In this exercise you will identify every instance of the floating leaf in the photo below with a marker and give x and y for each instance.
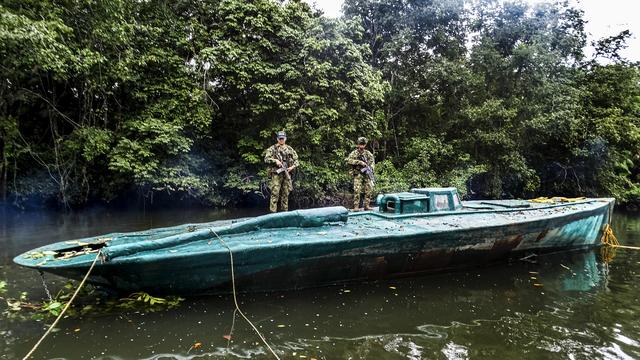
(148, 302)
(54, 305)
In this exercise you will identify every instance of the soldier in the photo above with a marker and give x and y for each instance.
(362, 164)
(282, 160)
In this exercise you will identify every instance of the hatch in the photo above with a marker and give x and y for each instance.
(420, 200)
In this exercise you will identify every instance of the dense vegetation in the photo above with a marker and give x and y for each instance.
(103, 99)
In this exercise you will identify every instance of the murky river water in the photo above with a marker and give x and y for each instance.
(585, 309)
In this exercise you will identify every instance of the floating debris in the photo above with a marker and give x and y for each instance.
(195, 346)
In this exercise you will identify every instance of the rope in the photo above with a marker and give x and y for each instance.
(63, 310)
(235, 299)
(609, 242)
(233, 325)
(609, 239)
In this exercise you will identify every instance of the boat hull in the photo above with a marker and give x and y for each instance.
(298, 265)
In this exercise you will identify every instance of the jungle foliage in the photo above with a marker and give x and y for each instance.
(104, 99)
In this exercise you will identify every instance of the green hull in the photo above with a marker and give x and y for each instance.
(325, 246)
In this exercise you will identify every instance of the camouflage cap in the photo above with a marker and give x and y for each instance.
(362, 140)
(281, 135)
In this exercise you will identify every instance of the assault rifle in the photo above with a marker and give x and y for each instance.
(284, 167)
(367, 168)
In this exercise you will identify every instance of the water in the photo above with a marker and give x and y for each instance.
(585, 308)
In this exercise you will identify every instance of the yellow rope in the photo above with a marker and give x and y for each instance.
(556, 199)
(610, 242)
(65, 308)
(609, 239)
(607, 253)
(235, 300)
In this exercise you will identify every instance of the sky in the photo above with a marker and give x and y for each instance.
(604, 18)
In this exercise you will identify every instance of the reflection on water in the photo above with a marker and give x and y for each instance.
(569, 305)
(584, 276)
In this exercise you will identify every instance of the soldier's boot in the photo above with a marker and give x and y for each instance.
(366, 205)
(356, 202)
(368, 190)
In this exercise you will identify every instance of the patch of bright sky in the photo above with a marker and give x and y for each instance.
(604, 18)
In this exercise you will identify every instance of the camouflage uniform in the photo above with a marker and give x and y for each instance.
(281, 183)
(361, 182)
